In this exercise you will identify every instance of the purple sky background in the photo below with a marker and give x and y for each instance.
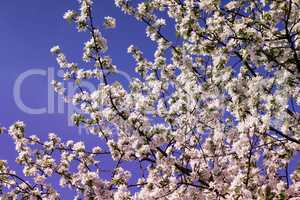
(28, 30)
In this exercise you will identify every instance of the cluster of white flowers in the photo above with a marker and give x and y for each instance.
(70, 15)
(98, 43)
(109, 22)
(83, 17)
(55, 50)
(58, 87)
(215, 115)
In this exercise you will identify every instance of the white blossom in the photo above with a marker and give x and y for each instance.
(109, 22)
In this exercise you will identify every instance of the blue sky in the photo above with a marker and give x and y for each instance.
(28, 31)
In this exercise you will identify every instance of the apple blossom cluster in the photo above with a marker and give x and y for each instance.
(109, 22)
(40, 163)
(215, 114)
